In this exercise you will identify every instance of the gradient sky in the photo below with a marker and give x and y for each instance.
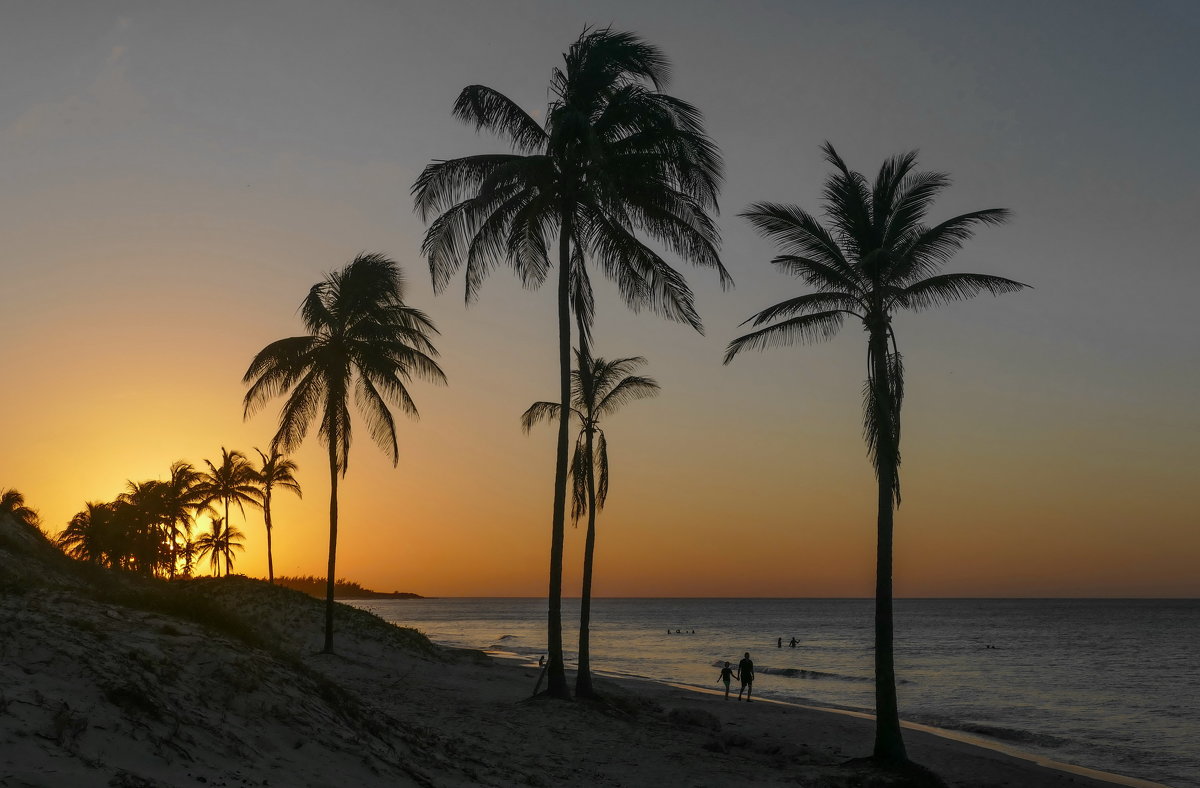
(174, 176)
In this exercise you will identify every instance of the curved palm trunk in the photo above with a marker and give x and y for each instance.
(556, 670)
(267, 520)
(889, 743)
(583, 679)
(333, 523)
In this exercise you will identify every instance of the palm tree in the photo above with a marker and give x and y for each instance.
(140, 520)
(275, 471)
(598, 389)
(233, 481)
(616, 156)
(182, 497)
(218, 543)
(876, 258)
(88, 535)
(12, 503)
(361, 334)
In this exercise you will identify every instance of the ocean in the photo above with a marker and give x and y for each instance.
(1109, 684)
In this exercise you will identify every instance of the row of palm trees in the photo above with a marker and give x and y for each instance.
(616, 158)
(148, 528)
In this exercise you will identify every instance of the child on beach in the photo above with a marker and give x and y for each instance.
(726, 676)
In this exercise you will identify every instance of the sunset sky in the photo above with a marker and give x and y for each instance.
(174, 177)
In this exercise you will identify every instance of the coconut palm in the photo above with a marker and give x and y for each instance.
(88, 536)
(876, 257)
(616, 157)
(598, 389)
(140, 524)
(362, 336)
(182, 497)
(234, 481)
(220, 542)
(12, 503)
(275, 471)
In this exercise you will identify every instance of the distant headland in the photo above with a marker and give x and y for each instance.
(342, 589)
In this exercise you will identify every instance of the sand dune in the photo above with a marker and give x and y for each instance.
(109, 680)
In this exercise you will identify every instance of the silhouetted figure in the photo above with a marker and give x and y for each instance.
(746, 676)
(793, 643)
(726, 676)
(541, 660)
(781, 643)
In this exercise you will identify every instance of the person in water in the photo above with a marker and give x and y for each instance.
(726, 676)
(794, 641)
(780, 643)
(746, 676)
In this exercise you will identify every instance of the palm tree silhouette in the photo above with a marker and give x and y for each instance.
(182, 496)
(275, 471)
(88, 535)
(12, 503)
(361, 333)
(616, 156)
(141, 525)
(877, 258)
(598, 389)
(218, 543)
(233, 481)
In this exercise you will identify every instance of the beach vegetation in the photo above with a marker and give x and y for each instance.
(275, 471)
(873, 257)
(219, 543)
(616, 158)
(363, 341)
(598, 390)
(231, 481)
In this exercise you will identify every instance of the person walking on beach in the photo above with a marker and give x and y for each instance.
(726, 676)
(746, 676)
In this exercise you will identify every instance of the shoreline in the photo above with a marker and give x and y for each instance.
(959, 737)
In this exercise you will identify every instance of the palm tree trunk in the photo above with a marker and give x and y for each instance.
(583, 679)
(267, 520)
(889, 743)
(556, 670)
(226, 536)
(333, 518)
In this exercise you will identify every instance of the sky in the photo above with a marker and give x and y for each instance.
(175, 176)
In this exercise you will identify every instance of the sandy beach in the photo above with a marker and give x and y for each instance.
(110, 680)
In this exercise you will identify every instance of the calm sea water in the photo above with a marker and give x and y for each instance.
(1110, 684)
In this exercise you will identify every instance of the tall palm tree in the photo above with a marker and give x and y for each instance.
(876, 257)
(220, 542)
(598, 389)
(275, 471)
(233, 481)
(616, 157)
(12, 503)
(361, 335)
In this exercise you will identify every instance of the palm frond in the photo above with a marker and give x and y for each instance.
(804, 329)
(489, 109)
(944, 288)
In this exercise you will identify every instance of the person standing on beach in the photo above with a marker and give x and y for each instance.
(746, 676)
(726, 676)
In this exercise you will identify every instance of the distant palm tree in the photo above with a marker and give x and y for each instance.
(361, 335)
(598, 389)
(233, 481)
(182, 497)
(275, 471)
(141, 523)
(616, 156)
(218, 543)
(88, 536)
(877, 257)
(12, 503)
